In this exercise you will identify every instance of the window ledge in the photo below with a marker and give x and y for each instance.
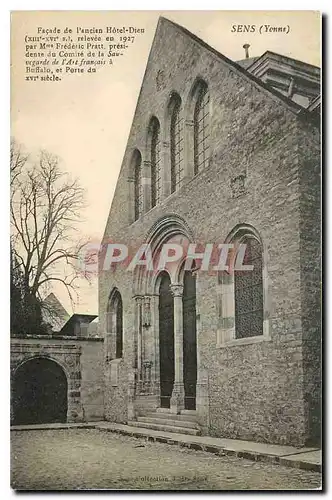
(245, 341)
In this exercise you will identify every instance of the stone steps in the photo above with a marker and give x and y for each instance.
(163, 420)
(186, 415)
(170, 416)
(163, 425)
(150, 419)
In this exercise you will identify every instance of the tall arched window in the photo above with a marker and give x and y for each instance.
(176, 142)
(242, 294)
(115, 325)
(154, 131)
(137, 160)
(201, 127)
(248, 290)
(119, 328)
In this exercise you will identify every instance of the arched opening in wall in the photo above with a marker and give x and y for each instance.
(201, 97)
(189, 340)
(243, 302)
(155, 159)
(115, 326)
(176, 141)
(39, 393)
(138, 184)
(248, 291)
(119, 328)
(166, 339)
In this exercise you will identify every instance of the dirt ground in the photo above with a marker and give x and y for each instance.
(90, 459)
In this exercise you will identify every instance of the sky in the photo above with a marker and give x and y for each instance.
(85, 119)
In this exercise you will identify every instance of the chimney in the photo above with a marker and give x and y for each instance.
(246, 48)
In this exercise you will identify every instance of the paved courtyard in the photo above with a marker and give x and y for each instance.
(87, 458)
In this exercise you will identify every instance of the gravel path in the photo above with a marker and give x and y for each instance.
(90, 459)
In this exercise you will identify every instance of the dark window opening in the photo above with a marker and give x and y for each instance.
(201, 130)
(155, 164)
(119, 330)
(248, 287)
(177, 166)
(138, 186)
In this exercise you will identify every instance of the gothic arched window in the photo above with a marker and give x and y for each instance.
(119, 328)
(248, 290)
(138, 184)
(201, 128)
(155, 162)
(176, 143)
(115, 326)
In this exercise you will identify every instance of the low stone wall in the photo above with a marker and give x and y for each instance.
(81, 359)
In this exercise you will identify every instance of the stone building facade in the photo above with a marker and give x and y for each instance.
(216, 154)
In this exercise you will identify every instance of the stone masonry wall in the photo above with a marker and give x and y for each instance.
(92, 388)
(256, 391)
(82, 361)
(311, 292)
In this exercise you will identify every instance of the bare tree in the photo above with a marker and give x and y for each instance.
(46, 206)
(18, 159)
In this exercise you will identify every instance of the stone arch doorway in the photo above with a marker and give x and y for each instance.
(39, 392)
(189, 340)
(166, 339)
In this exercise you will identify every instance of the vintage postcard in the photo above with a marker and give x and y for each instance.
(165, 250)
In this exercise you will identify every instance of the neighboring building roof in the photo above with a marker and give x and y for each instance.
(296, 63)
(297, 80)
(69, 327)
(53, 312)
(245, 63)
